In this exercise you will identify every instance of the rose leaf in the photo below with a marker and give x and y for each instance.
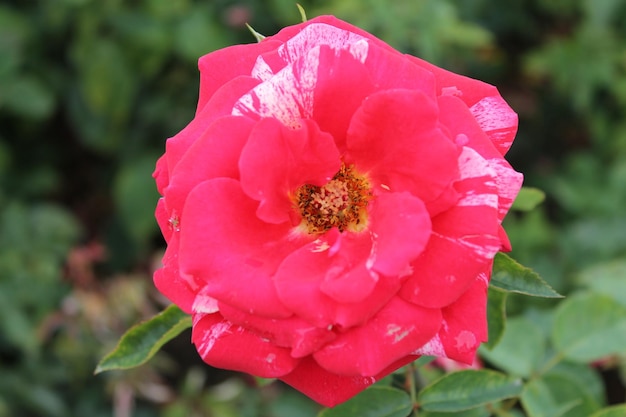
(142, 341)
(510, 276)
(468, 389)
(496, 315)
(373, 402)
(528, 198)
(588, 327)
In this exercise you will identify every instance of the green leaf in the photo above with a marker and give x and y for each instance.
(538, 401)
(496, 315)
(589, 326)
(606, 278)
(144, 340)
(510, 276)
(373, 402)
(528, 198)
(615, 411)
(474, 412)
(557, 394)
(468, 389)
(520, 350)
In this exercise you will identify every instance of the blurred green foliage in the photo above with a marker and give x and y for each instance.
(90, 90)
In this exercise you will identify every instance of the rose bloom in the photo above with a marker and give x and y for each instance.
(333, 210)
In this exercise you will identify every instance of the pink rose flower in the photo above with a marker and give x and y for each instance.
(333, 209)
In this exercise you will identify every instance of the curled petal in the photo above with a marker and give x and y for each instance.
(398, 329)
(329, 289)
(278, 159)
(395, 137)
(226, 345)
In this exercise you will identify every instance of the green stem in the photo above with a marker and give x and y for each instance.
(411, 385)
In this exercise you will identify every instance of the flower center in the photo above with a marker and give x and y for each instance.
(341, 203)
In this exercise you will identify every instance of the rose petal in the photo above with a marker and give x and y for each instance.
(330, 389)
(167, 279)
(465, 321)
(465, 238)
(397, 329)
(308, 284)
(292, 332)
(497, 120)
(469, 90)
(401, 227)
(210, 156)
(220, 105)
(221, 66)
(278, 159)
(225, 245)
(228, 346)
(395, 138)
(308, 89)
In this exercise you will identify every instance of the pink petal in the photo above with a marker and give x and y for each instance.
(226, 246)
(465, 239)
(224, 345)
(220, 105)
(497, 120)
(292, 332)
(308, 88)
(392, 70)
(221, 66)
(469, 90)
(167, 279)
(401, 227)
(333, 289)
(395, 138)
(278, 159)
(398, 329)
(463, 126)
(456, 116)
(330, 389)
(330, 24)
(465, 322)
(210, 156)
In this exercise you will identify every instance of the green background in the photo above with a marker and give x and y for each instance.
(90, 90)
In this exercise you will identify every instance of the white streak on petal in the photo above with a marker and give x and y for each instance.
(434, 347)
(472, 165)
(508, 182)
(210, 337)
(497, 120)
(323, 34)
(205, 304)
(287, 96)
(261, 70)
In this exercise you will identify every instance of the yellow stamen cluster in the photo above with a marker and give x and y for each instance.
(341, 203)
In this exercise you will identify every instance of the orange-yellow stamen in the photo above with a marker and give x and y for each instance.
(341, 203)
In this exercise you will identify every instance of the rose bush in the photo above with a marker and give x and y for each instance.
(333, 210)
